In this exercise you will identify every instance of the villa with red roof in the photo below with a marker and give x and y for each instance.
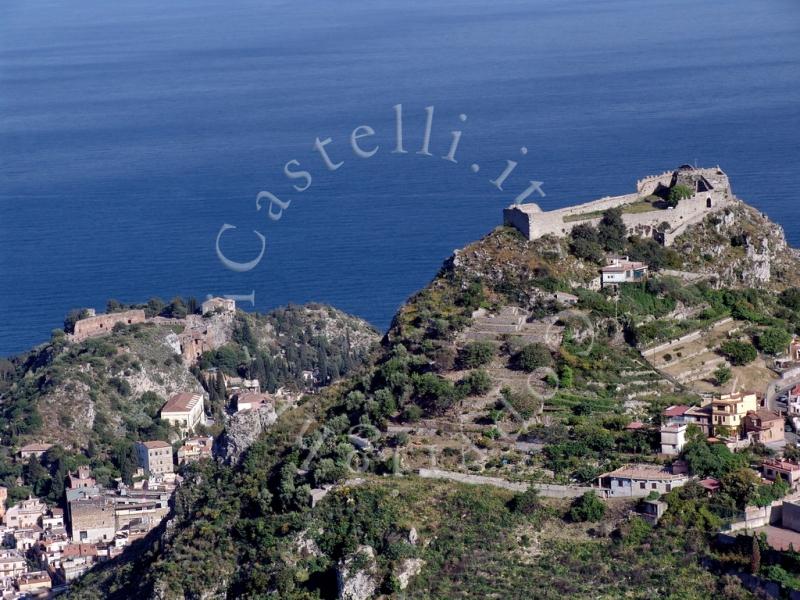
(788, 470)
(184, 411)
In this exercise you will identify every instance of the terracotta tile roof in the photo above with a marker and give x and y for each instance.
(784, 465)
(675, 410)
(155, 444)
(181, 402)
(711, 484)
(79, 550)
(643, 471)
(765, 415)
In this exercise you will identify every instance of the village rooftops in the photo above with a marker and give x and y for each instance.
(782, 465)
(676, 410)
(644, 471)
(181, 402)
(35, 448)
(765, 415)
(34, 577)
(710, 484)
(673, 428)
(734, 397)
(75, 550)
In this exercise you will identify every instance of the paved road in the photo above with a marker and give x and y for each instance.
(776, 388)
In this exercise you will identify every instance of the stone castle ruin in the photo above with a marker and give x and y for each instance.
(644, 212)
(200, 333)
(95, 325)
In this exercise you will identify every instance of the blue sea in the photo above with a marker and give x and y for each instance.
(131, 132)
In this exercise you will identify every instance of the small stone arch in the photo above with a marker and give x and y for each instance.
(708, 202)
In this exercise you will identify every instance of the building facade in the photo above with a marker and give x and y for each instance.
(185, 411)
(639, 480)
(673, 438)
(155, 457)
(729, 410)
(92, 519)
(621, 270)
(789, 471)
(764, 426)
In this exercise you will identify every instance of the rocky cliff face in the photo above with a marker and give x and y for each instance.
(740, 246)
(242, 430)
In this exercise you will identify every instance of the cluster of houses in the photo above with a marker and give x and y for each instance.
(44, 547)
(733, 419)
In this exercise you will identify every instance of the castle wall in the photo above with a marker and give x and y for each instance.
(101, 324)
(648, 185)
(534, 223)
(518, 219)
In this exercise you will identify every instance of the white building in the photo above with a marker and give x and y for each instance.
(184, 411)
(26, 513)
(673, 438)
(639, 480)
(621, 270)
(793, 402)
(250, 400)
(155, 457)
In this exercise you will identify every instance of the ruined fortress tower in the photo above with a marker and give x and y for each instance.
(644, 211)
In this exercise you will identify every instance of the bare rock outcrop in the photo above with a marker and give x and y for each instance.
(409, 568)
(242, 431)
(356, 575)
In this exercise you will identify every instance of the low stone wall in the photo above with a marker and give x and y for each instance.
(689, 337)
(102, 324)
(545, 489)
(755, 516)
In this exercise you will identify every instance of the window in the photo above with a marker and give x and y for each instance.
(653, 485)
(642, 485)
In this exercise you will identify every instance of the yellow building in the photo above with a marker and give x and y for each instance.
(729, 411)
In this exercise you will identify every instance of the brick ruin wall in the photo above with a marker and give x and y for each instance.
(534, 223)
(92, 326)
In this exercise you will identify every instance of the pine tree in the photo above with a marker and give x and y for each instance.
(755, 558)
(221, 392)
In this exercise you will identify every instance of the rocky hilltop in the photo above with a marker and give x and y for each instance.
(511, 363)
(89, 392)
(740, 246)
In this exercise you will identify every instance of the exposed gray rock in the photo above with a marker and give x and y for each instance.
(356, 575)
(409, 568)
(242, 430)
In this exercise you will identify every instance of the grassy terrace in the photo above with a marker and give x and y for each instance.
(642, 205)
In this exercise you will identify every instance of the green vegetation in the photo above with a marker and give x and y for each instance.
(532, 357)
(678, 193)
(739, 353)
(723, 375)
(237, 530)
(476, 354)
(587, 508)
(773, 340)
